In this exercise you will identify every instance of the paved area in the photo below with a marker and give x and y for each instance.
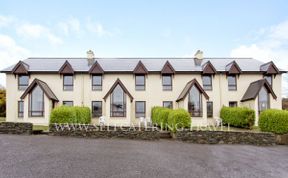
(48, 156)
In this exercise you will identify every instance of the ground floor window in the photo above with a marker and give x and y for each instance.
(118, 102)
(20, 109)
(36, 102)
(233, 104)
(140, 109)
(168, 104)
(209, 109)
(96, 108)
(195, 102)
(68, 103)
(263, 100)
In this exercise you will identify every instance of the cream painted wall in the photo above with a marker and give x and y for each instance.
(153, 95)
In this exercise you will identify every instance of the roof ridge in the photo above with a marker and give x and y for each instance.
(139, 58)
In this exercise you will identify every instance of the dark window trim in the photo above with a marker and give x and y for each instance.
(20, 113)
(112, 113)
(68, 101)
(19, 85)
(201, 105)
(210, 113)
(100, 86)
(65, 75)
(97, 114)
(229, 89)
(163, 86)
(233, 102)
(168, 102)
(204, 85)
(29, 106)
(140, 112)
(138, 75)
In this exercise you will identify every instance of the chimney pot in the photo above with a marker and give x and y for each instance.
(198, 58)
(90, 57)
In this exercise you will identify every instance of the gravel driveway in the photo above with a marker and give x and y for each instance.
(48, 156)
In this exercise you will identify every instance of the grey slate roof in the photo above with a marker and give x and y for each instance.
(128, 64)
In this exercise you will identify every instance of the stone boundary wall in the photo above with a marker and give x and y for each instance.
(94, 131)
(225, 137)
(16, 128)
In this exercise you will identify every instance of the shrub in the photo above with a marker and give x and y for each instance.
(70, 114)
(159, 116)
(63, 114)
(238, 116)
(83, 115)
(178, 118)
(273, 120)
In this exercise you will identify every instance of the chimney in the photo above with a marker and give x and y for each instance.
(90, 57)
(198, 58)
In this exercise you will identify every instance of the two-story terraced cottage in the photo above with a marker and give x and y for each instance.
(124, 89)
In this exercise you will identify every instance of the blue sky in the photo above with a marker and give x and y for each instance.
(64, 28)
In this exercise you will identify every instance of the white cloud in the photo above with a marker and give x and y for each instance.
(271, 44)
(97, 28)
(10, 53)
(35, 31)
(69, 26)
(5, 20)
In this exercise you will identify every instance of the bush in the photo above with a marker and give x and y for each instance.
(70, 114)
(238, 116)
(179, 118)
(273, 120)
(83, 115)
(159, 116)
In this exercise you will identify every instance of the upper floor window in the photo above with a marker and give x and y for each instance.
(20, 108)
(140, 82)
(96, 108)
(195, 102)
(168, 104)
(232, 82)
(233, 104)
(140, 108)
(36, 102)
(68, 82)
(68, 103)
(118, 102)
(97, 82)
(269, 79)
(23, 82)
(209, 109)
(207, 82)
(167, 82)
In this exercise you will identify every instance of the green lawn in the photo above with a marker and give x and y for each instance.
(40, 127)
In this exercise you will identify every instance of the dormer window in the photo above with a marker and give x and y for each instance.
(207, 82)
(167, 82)
(269, 79)
(23, 82)
(140, 82)
(68, 82)
(232, 82)
(97, 82)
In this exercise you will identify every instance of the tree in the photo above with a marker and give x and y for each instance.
(2, 103)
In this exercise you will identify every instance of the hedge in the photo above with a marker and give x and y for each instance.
(238, 116)
(274, 120)
(177, 119)
(159, 116)
(70, 114)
